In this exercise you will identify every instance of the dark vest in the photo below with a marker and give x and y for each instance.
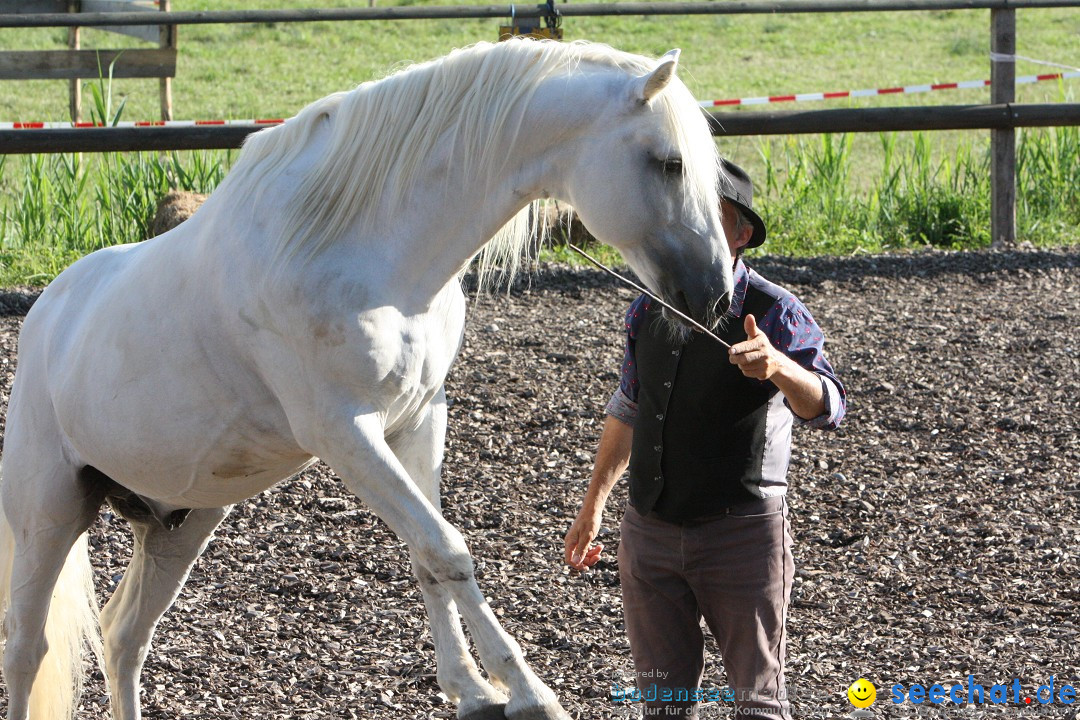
(699, 435)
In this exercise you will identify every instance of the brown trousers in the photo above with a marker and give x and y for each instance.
(734, 570)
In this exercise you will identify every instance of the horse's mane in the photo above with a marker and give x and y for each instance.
(394, 124)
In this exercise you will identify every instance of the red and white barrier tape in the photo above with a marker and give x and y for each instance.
(148, 123)
(803, 97)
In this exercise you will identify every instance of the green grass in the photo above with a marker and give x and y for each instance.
(819, 194)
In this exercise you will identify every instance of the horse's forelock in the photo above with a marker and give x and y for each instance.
(701, 161)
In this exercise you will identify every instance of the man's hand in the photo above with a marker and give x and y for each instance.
(612, 457)
(758, 359)
(580, 554)
(756, 356)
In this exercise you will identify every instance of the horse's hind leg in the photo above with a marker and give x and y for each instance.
(160, 562)
(421, 452)
(46, 508)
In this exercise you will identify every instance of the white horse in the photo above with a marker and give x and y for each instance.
(312, 309)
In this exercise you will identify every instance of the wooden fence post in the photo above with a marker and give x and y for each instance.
(74, 84)
(1003, 140)
(167, 40)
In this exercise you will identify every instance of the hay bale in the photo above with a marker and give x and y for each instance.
(173, 209)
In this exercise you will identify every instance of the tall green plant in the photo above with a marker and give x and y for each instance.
(56, 208)
(66, 206)
(101, 93)
(942, 203)
(922, 196)
(1048, 168)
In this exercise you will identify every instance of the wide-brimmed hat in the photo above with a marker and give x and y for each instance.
(736, 187)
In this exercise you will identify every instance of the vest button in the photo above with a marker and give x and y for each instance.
(657, 448)
(657, 478)
(674, 352)
(667, 384)
(659, 417)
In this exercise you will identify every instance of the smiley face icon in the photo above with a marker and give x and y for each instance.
(862, 693)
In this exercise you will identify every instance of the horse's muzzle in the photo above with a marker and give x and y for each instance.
(722, 305)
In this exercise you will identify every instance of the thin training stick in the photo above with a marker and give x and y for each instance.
(631, 283)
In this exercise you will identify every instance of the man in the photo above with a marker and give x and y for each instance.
(706, 434)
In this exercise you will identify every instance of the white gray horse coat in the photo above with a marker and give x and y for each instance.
(312, 309)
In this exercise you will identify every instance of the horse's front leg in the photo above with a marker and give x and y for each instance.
(457, 674)
(352, 443)
(421, 452)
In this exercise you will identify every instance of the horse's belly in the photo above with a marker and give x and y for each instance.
(226, 473)
(187, 439)
(227, 484)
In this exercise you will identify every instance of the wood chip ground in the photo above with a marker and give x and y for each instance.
(936, 533)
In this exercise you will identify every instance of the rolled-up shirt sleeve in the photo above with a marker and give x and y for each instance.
(621, 408)
(835, 406)
(623, 403)
(792, 330)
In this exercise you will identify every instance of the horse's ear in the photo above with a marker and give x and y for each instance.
(649, 86)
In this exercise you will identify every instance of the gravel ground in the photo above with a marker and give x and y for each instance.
(936, 532)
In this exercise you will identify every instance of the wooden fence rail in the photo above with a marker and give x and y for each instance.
(724, 124)
(65, 64)
(479, 12)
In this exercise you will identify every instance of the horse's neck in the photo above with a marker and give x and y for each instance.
(456, 214)
(421, 235)
(449, 216)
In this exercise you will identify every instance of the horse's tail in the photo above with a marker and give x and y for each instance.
(72, 624)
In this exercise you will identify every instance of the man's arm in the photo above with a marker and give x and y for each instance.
(759, 359)
(612, 459)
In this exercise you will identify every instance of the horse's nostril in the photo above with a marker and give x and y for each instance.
(722, 304)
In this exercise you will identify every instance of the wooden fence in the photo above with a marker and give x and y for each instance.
(75, 63)
(1001, 117)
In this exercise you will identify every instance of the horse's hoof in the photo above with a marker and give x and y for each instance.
(486, 712)
(551, 711)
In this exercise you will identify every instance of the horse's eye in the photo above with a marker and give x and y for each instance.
(672, 166)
